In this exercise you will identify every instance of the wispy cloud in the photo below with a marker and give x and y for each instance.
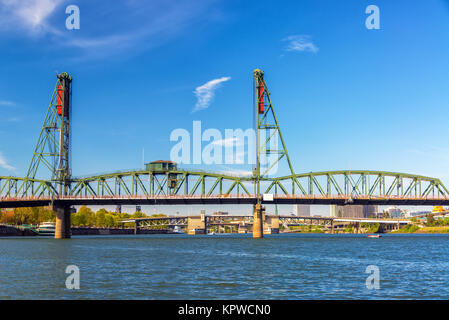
(29, 14)
(300, 43)
(205, 93)
(434, 152)
(4, 164)
(7, 103)
(229, 142)
(236, 172)
(118, 29)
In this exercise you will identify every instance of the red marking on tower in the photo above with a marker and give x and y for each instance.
(59, 102)
(261, 99)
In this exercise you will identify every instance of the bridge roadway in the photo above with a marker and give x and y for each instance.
(220, 219)
(200, 224)
(9, 202)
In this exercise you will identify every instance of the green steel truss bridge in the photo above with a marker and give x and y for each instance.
(52, 155)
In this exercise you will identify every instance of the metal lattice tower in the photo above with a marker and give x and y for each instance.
(53, 146)
(268, 132)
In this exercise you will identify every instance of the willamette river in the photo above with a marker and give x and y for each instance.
(226, 267)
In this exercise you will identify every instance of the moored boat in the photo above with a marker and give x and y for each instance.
(177, 229)
(46, 229)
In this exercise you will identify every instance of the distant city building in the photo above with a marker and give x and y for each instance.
(418, 213)
(353, 211)
(333, 210)
(301, 210)
(393, 212)
(220, 213)
(370, 211)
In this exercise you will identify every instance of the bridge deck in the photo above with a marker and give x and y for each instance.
(221, 199)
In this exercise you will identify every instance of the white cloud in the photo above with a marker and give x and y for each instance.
(7, 103)
(236, 172)
(122, 28)
(205, 93)
(300, 43)
(31, 14)
(4, 164)
(229, 142)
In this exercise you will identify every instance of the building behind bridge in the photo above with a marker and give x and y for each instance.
(301, 210)
(220, 213)
(354, 211)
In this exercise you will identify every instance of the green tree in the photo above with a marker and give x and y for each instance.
(43, 214)
(109, 220)
(445, 222)
(100, 217)
(430, 220)
(138, 214)
(84, 217)
(23, 216)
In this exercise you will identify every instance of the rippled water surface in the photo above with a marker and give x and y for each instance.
(226, 267)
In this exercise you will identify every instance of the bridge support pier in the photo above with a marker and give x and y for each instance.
(197, 225)
(63, 224)
(258, 221)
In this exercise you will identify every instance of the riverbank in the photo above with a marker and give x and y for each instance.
(14, 231)
(87, 231)
(423, 230)
(10, 231)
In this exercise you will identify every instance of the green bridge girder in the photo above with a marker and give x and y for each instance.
(197, 183)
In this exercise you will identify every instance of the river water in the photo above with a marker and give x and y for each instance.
(289, 266)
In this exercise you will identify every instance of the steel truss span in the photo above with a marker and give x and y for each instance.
(52, 155)
(188, 187)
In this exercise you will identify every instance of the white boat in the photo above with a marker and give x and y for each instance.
(177, 229)
(211, 233)
(46, 229)
(374, 236)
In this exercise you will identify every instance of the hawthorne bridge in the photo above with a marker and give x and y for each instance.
(174, 186)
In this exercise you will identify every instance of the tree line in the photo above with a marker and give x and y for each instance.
(84, 217)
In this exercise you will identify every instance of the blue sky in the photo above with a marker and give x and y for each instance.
(345, 96)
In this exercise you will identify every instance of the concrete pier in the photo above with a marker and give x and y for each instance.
(63, 224)
(259, 213)
(197, 225)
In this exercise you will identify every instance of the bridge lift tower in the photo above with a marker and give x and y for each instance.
(52, 151)
(269, 151)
